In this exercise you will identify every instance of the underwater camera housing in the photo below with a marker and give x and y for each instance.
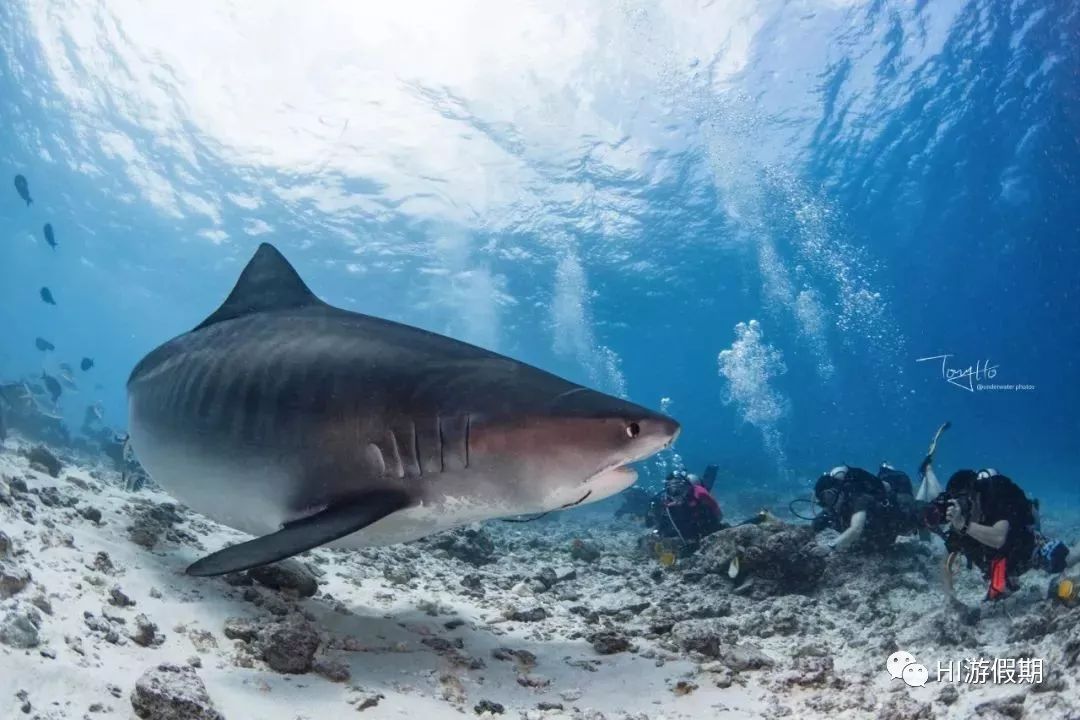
(937, 511)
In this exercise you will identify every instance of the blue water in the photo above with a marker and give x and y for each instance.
(606, 192)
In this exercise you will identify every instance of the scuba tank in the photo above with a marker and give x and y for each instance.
(1065, 590)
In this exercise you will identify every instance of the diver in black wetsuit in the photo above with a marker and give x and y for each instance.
(869, 511)
(992, 522)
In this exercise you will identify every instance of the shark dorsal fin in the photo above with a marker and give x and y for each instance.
(267, 283)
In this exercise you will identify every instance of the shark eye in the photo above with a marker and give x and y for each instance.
(633, 430)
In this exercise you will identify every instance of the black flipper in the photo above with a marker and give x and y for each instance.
(267, 283)
(335, 522)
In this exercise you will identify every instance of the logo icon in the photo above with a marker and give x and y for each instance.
(901, 665)
(915, 675)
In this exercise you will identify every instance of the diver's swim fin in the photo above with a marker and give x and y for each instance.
(326, 526)
(937, 436)
(933, 447)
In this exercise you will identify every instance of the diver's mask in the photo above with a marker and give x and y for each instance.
(828, 499)
(677, 486)
(827, 489)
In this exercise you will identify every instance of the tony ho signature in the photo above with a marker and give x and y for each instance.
(961, 377)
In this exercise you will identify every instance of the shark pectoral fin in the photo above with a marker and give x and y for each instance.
(326, 526)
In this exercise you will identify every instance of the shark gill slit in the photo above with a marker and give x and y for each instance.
(468, 427)
(442, 446)
(398, 467)
(416, 448)
(377, 455)
(406, 448)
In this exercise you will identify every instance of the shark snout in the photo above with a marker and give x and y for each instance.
(671, 428)
(654, 432)
(657, 432)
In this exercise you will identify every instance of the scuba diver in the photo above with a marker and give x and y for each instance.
(992, 522)
(636, 501)
(684, 510)
(875, 509)
(867, 510)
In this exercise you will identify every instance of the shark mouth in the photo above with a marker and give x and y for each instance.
(611, 480)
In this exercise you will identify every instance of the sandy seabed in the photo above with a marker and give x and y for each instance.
(556, 619)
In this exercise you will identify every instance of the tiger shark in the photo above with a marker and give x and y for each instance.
(305, 424)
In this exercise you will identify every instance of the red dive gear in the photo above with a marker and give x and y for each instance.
(997, 579)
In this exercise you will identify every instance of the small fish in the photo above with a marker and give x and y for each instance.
(49, 236)
(86, 364)
(24, 189)
(66, 376)
(94, 414)
(53, 385)
(733, 568)
(44, 345)
(46, 295)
